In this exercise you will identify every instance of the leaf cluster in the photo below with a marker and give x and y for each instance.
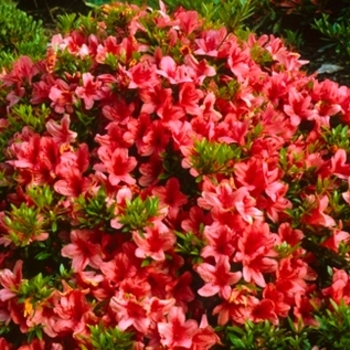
(214, 157)
(138, 213)
(93, 211)
(111, 338)
(20, 34)
(264, 335)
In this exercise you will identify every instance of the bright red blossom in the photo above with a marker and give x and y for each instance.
(177, 332)
(218, 278)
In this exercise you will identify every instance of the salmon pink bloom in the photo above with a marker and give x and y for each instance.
(205, 337)
(4, 345)
(90, 91)
(339, 167)
(221, 240)
(196, 220)
(171, 196)
(291, 277)
(340, 288)
(281, 308)
(188, 21)
(60, 132)
(200, 69)
(131, 312)
(142, 76)
(264, 310)
(71, 310)
(73, 183)
(189, 98)
(255, 249)
(177, 332)
(237, 307)
(210, 42)
(10, 281)
(158, 308)
(155, 139)
(225, 199)
(118, 269)
(62, 96)
(218, 278)
(84, 249)
(23, 70)
(298, 107)
(155, 242)
(175, 74)
(118, 164)
(316, 215)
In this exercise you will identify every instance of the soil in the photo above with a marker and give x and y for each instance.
(312, 50)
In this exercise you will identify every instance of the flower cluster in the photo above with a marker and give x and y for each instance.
(162, 179)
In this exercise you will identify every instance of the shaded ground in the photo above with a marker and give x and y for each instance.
(48, 10)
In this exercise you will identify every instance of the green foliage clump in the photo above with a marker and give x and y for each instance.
(20, 35)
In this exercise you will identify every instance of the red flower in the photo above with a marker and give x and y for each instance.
(84, 250)
(90, 91)
(72, 311)
(10, 281)
(196, 221)
(36, 344)
(5, 345)
(340, 288)
(62, 96)
(298, 107)
(205, 337)
(316, 215)
(154, 140)
(264, 310)
(60, 132)
(281, 308)
(131, 312)
(23, 70)
(177, 332)
(155, 242)
(171, 196)
(118, 164)
(175, 74)
(200, 70)
(142, 76)
(73, 183)
(218, 278)
(222, 241)
(304, 309)
(210, 42)
(237, 306)
(339, 167)
(255, 248)
(224, 199)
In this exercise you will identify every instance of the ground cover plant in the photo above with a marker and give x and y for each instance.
(168, 184)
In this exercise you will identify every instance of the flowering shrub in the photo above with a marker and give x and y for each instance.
(166, 184)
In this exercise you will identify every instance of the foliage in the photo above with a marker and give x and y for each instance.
(20, 34)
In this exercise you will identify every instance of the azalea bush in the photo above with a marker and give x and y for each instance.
(168, 184)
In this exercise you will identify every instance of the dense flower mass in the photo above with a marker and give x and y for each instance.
(162, 180)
